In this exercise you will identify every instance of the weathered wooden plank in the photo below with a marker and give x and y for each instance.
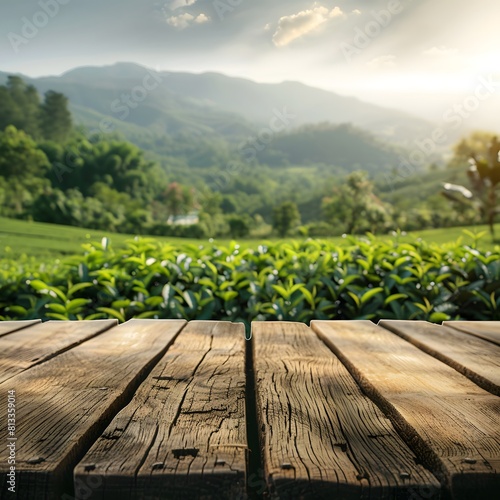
(26, 348)
(450, 421)
(320, 436)
(64, 404)
(475, 358)
(12, 326)
(487, 330)
(184, 433)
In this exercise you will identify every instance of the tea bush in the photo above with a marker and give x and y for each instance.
(366, 278)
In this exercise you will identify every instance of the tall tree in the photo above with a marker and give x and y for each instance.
(20, 106)
(55, 117)
(22, 168)
(285, 217)
(20, 156)
(355, 207)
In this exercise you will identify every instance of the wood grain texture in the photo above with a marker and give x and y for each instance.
(31, 346)
(184, 433)
(487, 330)
(450, 422)
(12, 326)
(320, 436)
(64, 404)
(475, 358)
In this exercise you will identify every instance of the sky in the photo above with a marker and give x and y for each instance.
(418, 55)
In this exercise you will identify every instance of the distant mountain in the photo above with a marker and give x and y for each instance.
(204, 120)
(138, 102)
(256, 101)
(213, 103)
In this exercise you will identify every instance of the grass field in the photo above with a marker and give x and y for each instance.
(47, 241)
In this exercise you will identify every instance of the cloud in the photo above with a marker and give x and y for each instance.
(201, 18)
(356, 11)
(336, 12)
(387, 61)
(183, 21)
(297, 25)
(177, 4)
(441, 51)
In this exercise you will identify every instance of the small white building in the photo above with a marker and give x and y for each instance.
(183, 220)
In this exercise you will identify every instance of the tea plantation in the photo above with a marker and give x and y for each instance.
(361, 278)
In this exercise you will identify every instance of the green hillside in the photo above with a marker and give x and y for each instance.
(340, 145)
(47, 241)
(39, 239)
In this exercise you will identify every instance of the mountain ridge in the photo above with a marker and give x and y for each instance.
(212, 96)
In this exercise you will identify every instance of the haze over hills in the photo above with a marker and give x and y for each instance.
(215, 102)
(309, 105)
(206, 119)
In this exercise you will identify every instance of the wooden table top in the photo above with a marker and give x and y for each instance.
(167, 409)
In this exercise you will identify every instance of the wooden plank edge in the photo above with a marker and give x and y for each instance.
(107, 324)
(21, 325)
(462, 329)
(473, 376)
(226, 485)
